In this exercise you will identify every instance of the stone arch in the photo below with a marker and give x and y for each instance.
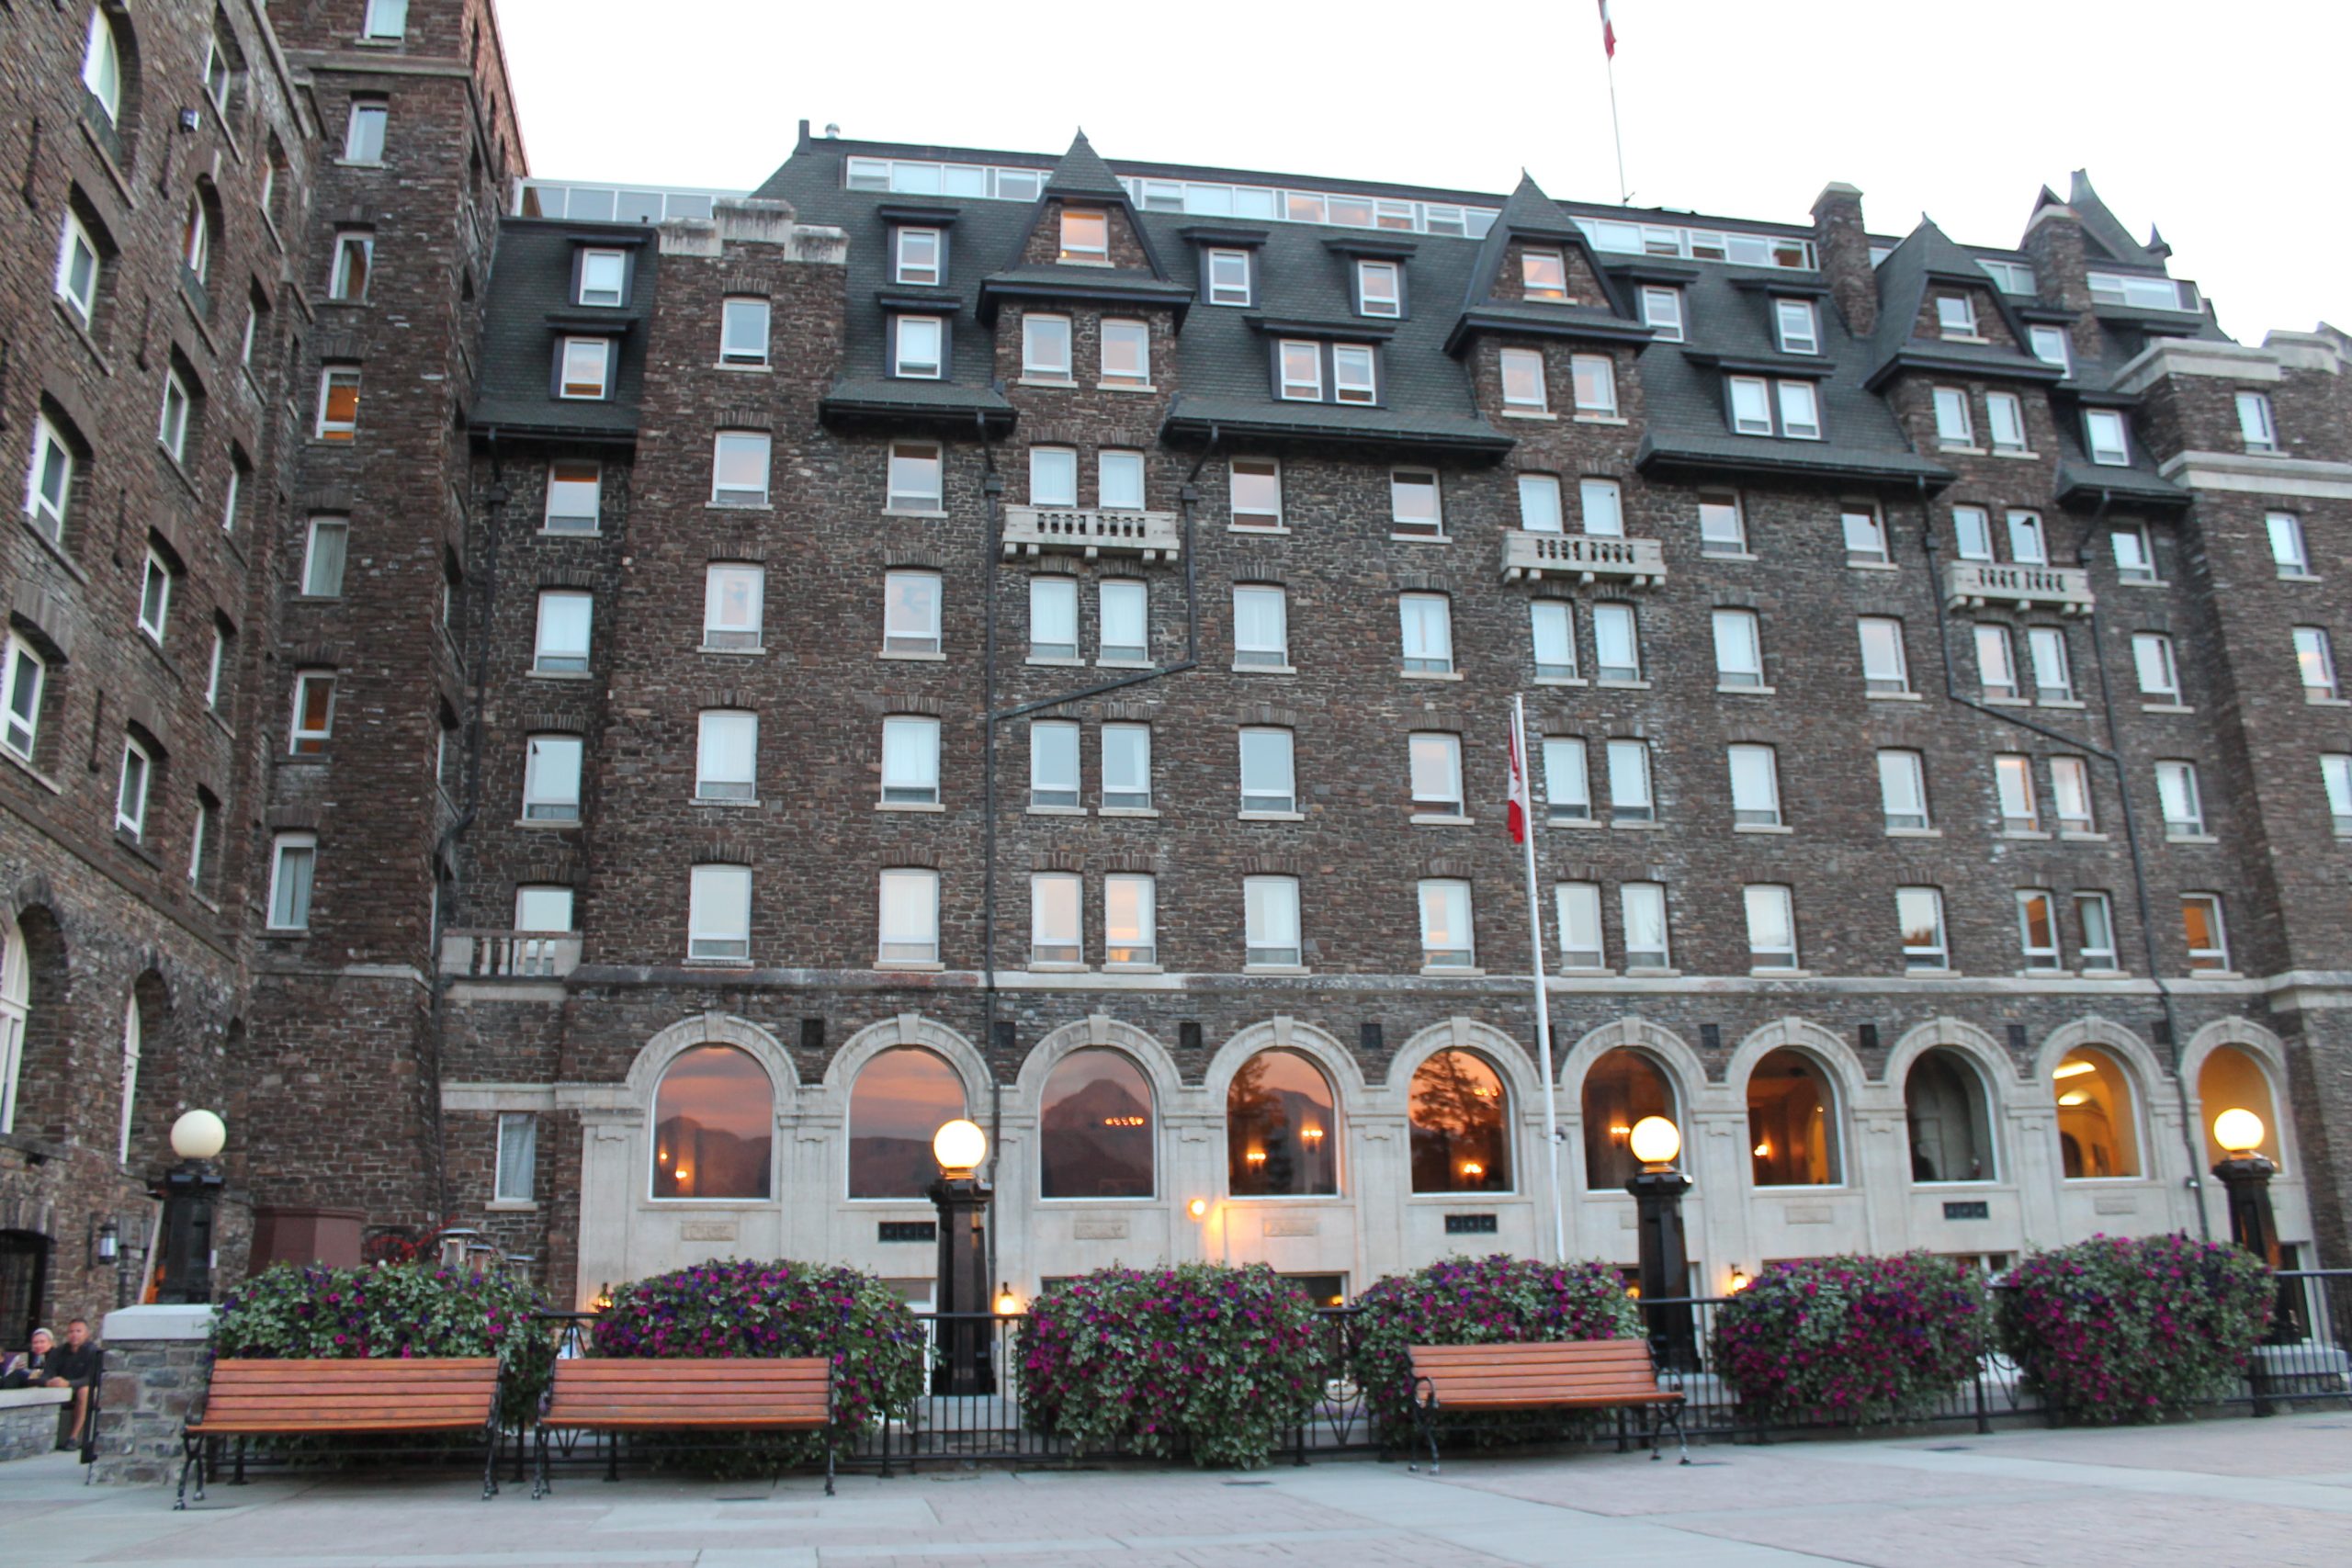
(1683, 1068)
(2125, 1047)
(1505, 1054)
(1991, 1058)
(1096, 1030)
(1798, 1034)
(161, 1070)
(42, 1102)
(1285, 1033)
(123, 144)
(2269, 1054)
(653, 1058)
(908, 1029)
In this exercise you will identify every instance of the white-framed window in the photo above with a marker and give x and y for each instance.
(1800, 404)
(102, 64)
(199, 833)
(1538, 503)
(1270, 922)
(1544, 275)
(1641, 909)
(1085, 236)
(603, 278)
(1414, 504)
(1885, 672)
(1125, 605)
(1380, 288)
(131, 790)
(28, 672)
(1576, 906)
(77, 270)
(566, 617)
(1595, 378)
(1355, 373)
(1996, 661)
(49, 481)
(551, 765)
(587, 370)
(518, 1158)
(1722, 530)
(909, 760)
(1269, 781)
(355, 256)
(2334, 776)
(1434, 763)
(575, 495)
(1053, 476)
(1972, 530)
(1630, 799)
(1616, 642)
(2107, 434)
(314, 721)
(231, 492)
(543, 907)
(2094, 919)
(156, 598)
(2152, 659)
(917, 346)
(253, 330)
(2255, 423)
(2135, 557)
(1053, 763)
(916, 479)
(1130, 920)
(386, 20)
(1118, 481)
(718, 913)
(1255, 486)
(743, 330)
(1740, 649)
(1771, 926)
(1447, 940)
(2053, 674)
(322, 558)
(2287, 552)
(1426, 624)
(171, 427)
(2183, 802)
(1127, 767)
(2070, 795)
(727, 753)
(1045, 347)
(1261, 626)
(918, 256)
(293, 867)
(732, 593)
(1552, 627)
(1903, 790)
(2028, 545)
(2201, 927)
(1056, 918)
(1755, 786)
(1301, 364)
(1864, 529)
(1956, 315)
(1523, 372)
(1919, 916)
(1568, 784)
(2316, 661)
(1954, 427)
(363, 134)
(1798, 325)
(2013, 787)
(1126, 352)
(1751, 404)
(1053, 617)
(2037, 928)
(1662, 313)
(1600, 505)
(1228, 275)
(338, 403)
(2051, 346)
(2004, 421)
(196, 239)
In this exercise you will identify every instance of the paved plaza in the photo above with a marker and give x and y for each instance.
(2274, 1492)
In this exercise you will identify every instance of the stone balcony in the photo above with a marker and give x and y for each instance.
(1587, 558)
(508, 955)
(1973, 584)
(1030, 530)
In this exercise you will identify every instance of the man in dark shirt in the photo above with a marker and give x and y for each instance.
(75, 1365)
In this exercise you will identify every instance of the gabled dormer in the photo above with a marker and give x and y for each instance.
(1083, 242)
(1537, 275)
(1938, 312)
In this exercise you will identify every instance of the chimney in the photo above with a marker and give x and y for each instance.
(2054, 238)
(1844, 248)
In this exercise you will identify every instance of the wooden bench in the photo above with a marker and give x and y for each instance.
(736, 1394)
(279, 1399)
(1576, 1375)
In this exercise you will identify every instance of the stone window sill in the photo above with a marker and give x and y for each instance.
(1275, 969)
(1602, 418)
(1271, 815)
(1129, 811)
(1571, 822)
(1442, 819)
(908, 806)
(1706, 554)
(1891, 697)
(1452, 972)
(914, 658)
(1560, 681)
(762, 369)
(741, 506)
(2310, 701)
(1914, 832)
(933, 514)
(1429, 674)
(1868, 563)
(1606, 684)
(1543, 414)
(1643, 972)
(2023, 833)
(1582, 972)
(1125, 387)
(2074, 837)
(1398, 539)
(1992, 699)
(1062, 383)
(509, 1206)
(912, 965)
(1256, 528)
(2165, 707)
(2191, 838)
(2061, 702)
(1761, 827)
(1051, 967)
(1639, 826)
(1265, 670)
(2297, 577)
(1745, 690)
(753, 652)
(1122, 664)
(2015, 452)
(1057, 811)
(1056, 661)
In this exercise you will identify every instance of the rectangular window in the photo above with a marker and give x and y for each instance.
(1055, 917)
(1971, 529)
(2028, 546)
(918, 347)
(1722, 530)
(171, 428)
(1354, 374)
(1884, 672)
(552, 778)
(1086, 236)
(732, 596)
(1125, 611)
(2334, 774)
(1568, 788)
(313, 723)
(1118, 481)
(155, 599)
(915, 479)
(910, 761)
(20, 724)
(718, 913)
(1903, 790)
(2004, 420)
(1799, 327)
(1523, 371)
(1642, 908)
(1302, 370)
(1538, 503)
(1130, 920)
(347, 278)
(1229, 278)
(740, 468)
(1616, 642)
(1952, 426)
(2095, 917)
(1772, 927)
(1270, 922)
(1446, 939)
(918, 257)
(1740, 649)
(1799, 410)
(1865, 531)
(2286, 551)
(587, 365)
(1996, 661)
(1053, 476)
(1127, 767)
(1544, 275)
(1919, 916)
(2053, 677)
(2070, 795)
(1435, 765)
(2184, 805)
(338, 402)
(910, 930)
(726, 756)
(603, 278)
(2315, 659)
(1755, 787)
(1552, 625)
(294, 859)
(1053, 763)
(1267, 780)
(363, 136)
(200, 831)
(1628, 782)
(2152, 658)
(2135, 560)
(2200, 924)
(385, 18)
(1595, 376)
(1379, 288)
(2037, 928)
(1053, 617)
(1256, 488)
(1603, 507)
(565, 620)
(1413, 504)
(2255, 422)
(1260, 626)
(322, 558)
(2049, 346)
(2106, 434)
(743, 331)
(518, 1158)
(1956, 315)
(1578, 907)
(214, 669)
(131, 793)
(1751, 405)
(574, 495)
(1045, 347)
(1126, 354)
(2013, 786)
(49, 483)
(1662, 313)
(1427, 627)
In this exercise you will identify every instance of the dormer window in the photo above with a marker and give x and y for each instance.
(1754, 401)
(1380, 288)
(1544, 275)
(2107, 436)
(1956, 315)
(1799, 327)
(1302, 370)
(917, 347)
(604, 278)
(1229, 278)
(587, 369)
(1086, 237)
(922, 256)
(1662, 312)
(2050, 347)
(1354, 374)
(1305, 368)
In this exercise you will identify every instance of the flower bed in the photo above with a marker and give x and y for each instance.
(1482, 1301)
(2119, 1329)
(1851, 1339)
(1220, 1364)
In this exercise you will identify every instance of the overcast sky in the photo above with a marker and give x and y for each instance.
(2216, 122)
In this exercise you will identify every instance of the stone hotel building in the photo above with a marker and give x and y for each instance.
(603, 715)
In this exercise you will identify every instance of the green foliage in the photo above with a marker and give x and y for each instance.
(1851, 1339)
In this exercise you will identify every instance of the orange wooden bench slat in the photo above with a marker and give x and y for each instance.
(668, 1421)
(799, 1368)
(277, 1428)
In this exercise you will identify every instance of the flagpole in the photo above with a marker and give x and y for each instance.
(1542, 1002)
(1624, 193)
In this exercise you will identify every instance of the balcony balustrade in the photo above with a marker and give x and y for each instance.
(508, 955)
(1971, 585)
(1638, 563)
(1094, 530)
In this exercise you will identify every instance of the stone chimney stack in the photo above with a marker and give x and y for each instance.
(2054, 238)
(1844, 248)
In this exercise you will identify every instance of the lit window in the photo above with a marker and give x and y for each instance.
(156, 598)
(1544, 275)
(726, 755)
(552, 778)
(1972, 528)
(1751, 405)
(313, 723)
(338, 402)
(1053, 617)
(575, 489)
(1865, 531)
(1616, 643)
(1260, 626)
(898, 1101)
(1428, 630)
(1740, 649)
(2054, 678)
(562, 646)
(1354, 374)
(911, 612)
(1903, 791)
(131, 792)
(1124, 609)
(1577, 908)
(1045, 347)
(1127, 767)
(77, 270)
(1603, 507)
(1641, 909)
(2151, 660)
(293, 862)
(385, 18)
(1628, 782)
(1538, 503)
(2004, 421)
(1086, 237)
(2183, 803)
(1772, 927)
(2049, 346)
(917, 344)
(2070, 795)
(1302, 370)
(2335, 773)
(1956, 315)
(1952, 424)
(1595, 378)
(920, 256)
(1256, 488)
(322, 559)
(587, 365)
(1447, 941)
(2255, 422)
(1884, 673)
(21, 722)
(1118, 481)
(1228, 274)
(1413, 504)
(1270, 922)
(1126, 354)
(2096, 918)
(2013, 785)
(363, 136)
(2037, 928)
(1553, 626)
(2315, 659)
(718, 913)
(1522, 370)
(2135, 560)
(2200, 924)
(171, 428)
(743, 332)
(354, 254)
(2105, 433)
(1799, 326)
(1130, 920)
(1800, 410)
(1380, 288)
(48, 483)
(909, 926)
(1567, 786)
(1755, 787)
(1435, 765)
(2287, 544)
(1722, 530)
(1919, 916)
(910, 761)
(518, 1158)
(1057, 915)
(1662, 313)
(1268, 782)
(915, 479)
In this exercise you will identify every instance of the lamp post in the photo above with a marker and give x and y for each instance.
(1657, 1193)
(191, 1189)
(2245, 1176)
(962, 1293)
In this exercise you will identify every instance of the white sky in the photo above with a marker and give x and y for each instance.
(2216, 122)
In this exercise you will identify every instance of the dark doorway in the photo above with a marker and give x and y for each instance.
(24, 1280)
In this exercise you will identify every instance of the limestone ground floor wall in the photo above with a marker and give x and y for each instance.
(586, 1060)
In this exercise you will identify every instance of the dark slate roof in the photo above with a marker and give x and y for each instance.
(529, 307)
(1529, 214)
(1925, 255)
(1082, 172)
(2080, 479)
(2101, 228)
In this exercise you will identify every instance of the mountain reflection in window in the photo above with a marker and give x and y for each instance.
(1281, 1129)
(1460, 1142)
(902, 1097)
(714, 1126)
(1096, 1133)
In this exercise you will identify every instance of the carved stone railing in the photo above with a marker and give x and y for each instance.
(1970, 585)
(1639, 563)
(508, 955)
(1032, 529)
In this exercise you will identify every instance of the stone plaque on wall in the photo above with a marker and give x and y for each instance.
(1808, 1213)
(1292, 1224)
(707, 1230)
(1099, 1230)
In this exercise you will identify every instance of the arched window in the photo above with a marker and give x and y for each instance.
(102, 66)
(899, 1100)
(714, 1126)
(1952, 1126)
(1624, 1087)
(2230, 1079)
(15, 1002)
(1282, 1128)
(131, 1032)
(1095, 1137)
(1791, 1122)
(2099, 1125)
(1461, 1126)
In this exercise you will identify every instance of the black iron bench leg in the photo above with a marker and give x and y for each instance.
(239, 1478)
(489, 1461)
(540, 1480)
(1681, 1440)
(828, 1468)
(1425, 1418)
(1621, 1428)
(191, 1451)
(612, 1455)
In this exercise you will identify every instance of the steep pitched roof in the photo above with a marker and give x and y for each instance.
(1927, 253)
(2102, 229)
(1082, 172)
(1529, 214)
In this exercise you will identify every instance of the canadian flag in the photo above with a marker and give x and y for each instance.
(1520, 806)
(1608, 31)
